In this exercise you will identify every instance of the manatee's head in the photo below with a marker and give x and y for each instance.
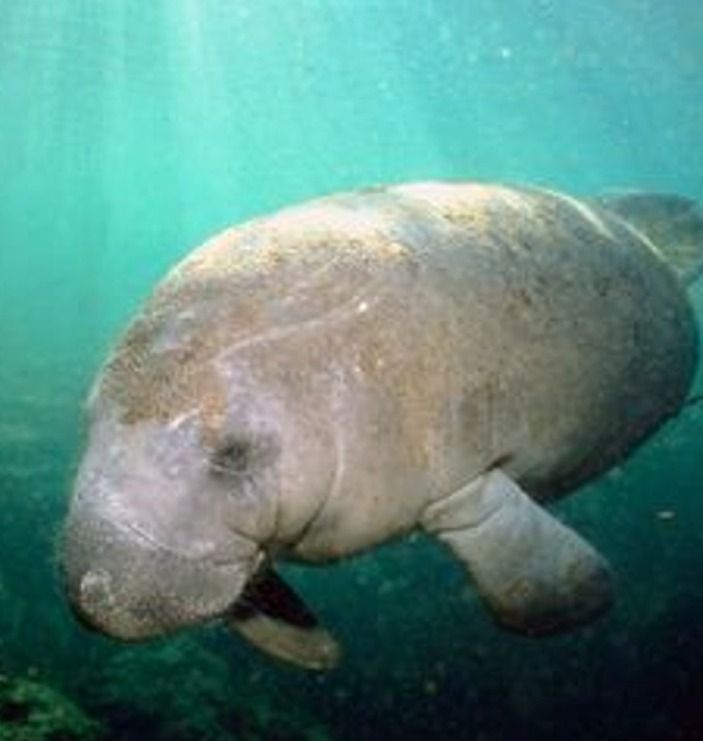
(178, 496)
(164, 529)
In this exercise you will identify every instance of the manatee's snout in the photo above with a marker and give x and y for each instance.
(122, 584)
(151, 543)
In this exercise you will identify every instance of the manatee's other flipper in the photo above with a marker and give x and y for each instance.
(674, 224)
(536, 575)
(272, 616)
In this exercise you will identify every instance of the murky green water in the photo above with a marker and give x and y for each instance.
(129, 132)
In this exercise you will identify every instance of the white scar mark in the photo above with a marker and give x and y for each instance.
(345, 311)
(183, 419)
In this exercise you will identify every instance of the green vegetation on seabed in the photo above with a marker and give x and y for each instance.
(32, 711)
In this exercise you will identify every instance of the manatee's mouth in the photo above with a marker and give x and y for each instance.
(124, 583)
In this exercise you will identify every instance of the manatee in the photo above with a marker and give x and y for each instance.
(436, 357)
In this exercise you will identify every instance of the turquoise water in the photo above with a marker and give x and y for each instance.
(130, 131)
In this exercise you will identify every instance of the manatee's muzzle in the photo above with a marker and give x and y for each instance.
(121, 583)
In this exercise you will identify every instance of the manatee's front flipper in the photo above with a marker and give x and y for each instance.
(536, 575)
(272, 616)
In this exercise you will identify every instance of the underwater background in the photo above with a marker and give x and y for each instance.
(130, 130)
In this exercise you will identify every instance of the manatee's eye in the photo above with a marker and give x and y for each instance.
(232, 459)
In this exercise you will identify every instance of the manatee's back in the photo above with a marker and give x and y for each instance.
(576, 339)
(474, 324)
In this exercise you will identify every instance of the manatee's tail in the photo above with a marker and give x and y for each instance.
(674, 224)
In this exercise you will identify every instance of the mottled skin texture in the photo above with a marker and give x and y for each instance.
(307, 385)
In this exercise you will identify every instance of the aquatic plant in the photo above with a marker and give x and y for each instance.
(181, 690)
(31, 710)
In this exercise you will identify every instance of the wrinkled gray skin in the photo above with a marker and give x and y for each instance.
(309, 385)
